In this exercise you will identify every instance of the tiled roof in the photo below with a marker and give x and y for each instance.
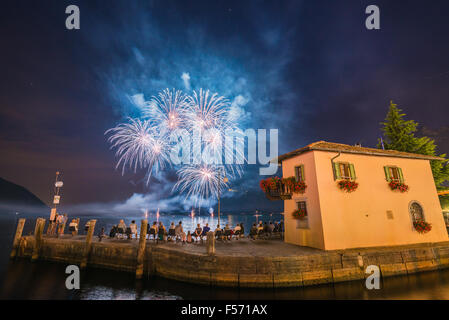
(344, 148)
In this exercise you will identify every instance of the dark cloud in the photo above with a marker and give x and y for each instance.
(309, 68)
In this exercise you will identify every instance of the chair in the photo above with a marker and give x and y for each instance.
(152, 233)
(120, 232)
(171, 234)
(253, 233)
(219, 234)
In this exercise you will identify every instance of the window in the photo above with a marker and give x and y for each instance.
(299, 173)
(393, 174)
(302, 206)
(344, 170)
(302, 223)
(416, 211)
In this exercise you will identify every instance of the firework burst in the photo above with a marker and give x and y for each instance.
(202, 181)
(205, 117)
(167, 110)
(138, 145)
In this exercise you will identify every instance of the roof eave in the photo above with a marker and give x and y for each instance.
(301, 151)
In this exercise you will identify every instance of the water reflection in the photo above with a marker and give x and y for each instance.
(45, 280)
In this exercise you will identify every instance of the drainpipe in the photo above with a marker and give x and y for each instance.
(332, 162)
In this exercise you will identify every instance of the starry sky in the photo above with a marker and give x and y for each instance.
(308, 68)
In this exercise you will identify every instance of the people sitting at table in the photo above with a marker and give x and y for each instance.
(242, 230)
(198, 231)
(172, 231)
(253, 231)
(265, 228)
(152, 231)
(132, 229)
(179, 231)
(189, 237)
(161, 232)
(218, 233)
(227, 232)
(121, 228)
(237, 231)
(276, 227)
(270, 227)
(184, 237)
(206, 229)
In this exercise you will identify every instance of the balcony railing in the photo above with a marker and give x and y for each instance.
(282, 191)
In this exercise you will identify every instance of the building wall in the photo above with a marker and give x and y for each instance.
(359, 218)
(295, 233)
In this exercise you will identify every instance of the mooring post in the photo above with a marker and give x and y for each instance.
(141, 249)
(210, 243)
(38, 231)
(78, 226)
(63, 226)
(17, 237)
(90, 234)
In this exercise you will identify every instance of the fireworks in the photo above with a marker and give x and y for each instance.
(167, 110)
(139, 145)
(206, 118)
(202, 181)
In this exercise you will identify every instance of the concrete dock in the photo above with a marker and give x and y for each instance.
(238, 263)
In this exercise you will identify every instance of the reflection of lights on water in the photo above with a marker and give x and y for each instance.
(157, 215)
(192, 213)
(146, 213)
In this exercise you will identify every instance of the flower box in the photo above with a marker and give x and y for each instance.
(421, 226)
(276, 188)
(347, 185)
(299, 214)
(395, 185)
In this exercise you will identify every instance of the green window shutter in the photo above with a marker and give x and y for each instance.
(296, 174)
(302, 173)
(352, 170)
(401, 176)
(336, 168)
(387, 173)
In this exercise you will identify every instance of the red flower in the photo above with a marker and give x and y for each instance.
(299, 213)
(347, 185)
(394, 185)
(421, 226)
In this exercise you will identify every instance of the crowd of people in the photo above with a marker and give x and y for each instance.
(157, 231)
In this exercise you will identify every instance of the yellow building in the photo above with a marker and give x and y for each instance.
(371, 215)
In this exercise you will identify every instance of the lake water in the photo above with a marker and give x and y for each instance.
(21, 279)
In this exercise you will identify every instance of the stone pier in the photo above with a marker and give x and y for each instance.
(242, 263)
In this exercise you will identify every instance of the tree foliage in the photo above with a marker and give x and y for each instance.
(399, 134)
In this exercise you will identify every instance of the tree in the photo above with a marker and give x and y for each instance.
(399, 134)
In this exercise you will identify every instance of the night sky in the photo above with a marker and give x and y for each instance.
(309, 68)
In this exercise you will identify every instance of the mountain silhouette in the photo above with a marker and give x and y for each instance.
(11, 193)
